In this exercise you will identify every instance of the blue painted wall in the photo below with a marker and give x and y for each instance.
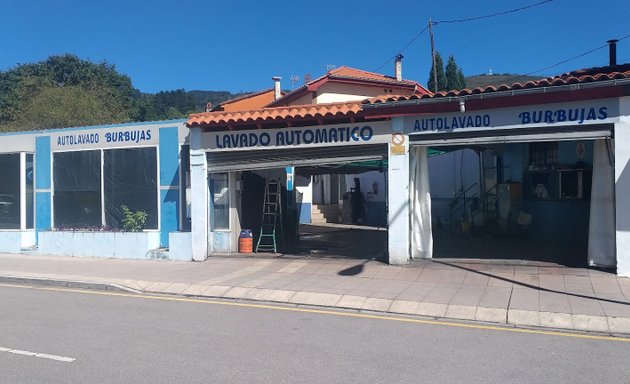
(42, 162)
(514, 159)
(567, 152)
(42, 211)
(169, 183)
(43, 191)
(304, 212)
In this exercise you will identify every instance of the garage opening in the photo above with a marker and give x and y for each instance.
(529, 197)
(332, 202)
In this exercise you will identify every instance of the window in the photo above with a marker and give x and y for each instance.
(29, 170)
(10, 191)
(77, 188)
(543, 154)
(128, 177)
(220, 200)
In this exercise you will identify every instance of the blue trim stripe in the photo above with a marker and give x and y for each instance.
(169, 181)
(42, 209)
(42, 162)
(169, 157)
(304, 211)
(169, 200)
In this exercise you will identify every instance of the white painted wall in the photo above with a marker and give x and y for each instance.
(10, 143)
(199, 197)
(305, 192)
(320, 187)
(180, 246)
(622, 187)
(335, 92)
(120, 245)
(367, 180)
(12, 241)
(398, 213)
(449, 172)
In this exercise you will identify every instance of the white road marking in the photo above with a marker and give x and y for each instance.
(35, 354)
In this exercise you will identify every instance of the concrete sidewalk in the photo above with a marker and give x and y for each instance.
(509, 292)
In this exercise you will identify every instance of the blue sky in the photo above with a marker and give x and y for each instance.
(238, 45)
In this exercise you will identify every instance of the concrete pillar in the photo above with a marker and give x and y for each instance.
(622, 188)
(235, 208)
(199, 196)
(398, 197)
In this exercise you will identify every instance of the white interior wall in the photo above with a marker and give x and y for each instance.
(373, 181)
(453, 171)
(622, 188)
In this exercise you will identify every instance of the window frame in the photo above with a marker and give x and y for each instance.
(158, 227)
(23, 216)
(213, 227)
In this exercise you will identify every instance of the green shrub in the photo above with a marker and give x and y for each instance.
(133, 221)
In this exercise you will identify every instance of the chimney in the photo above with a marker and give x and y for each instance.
(612, 48)
(277, 93)
(398, 67)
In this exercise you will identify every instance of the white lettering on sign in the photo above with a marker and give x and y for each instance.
(363, 133)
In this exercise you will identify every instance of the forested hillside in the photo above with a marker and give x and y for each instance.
(65, 91)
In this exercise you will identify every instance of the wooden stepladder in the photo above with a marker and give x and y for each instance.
(271, 218)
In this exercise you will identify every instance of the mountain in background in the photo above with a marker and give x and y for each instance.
(498, 79)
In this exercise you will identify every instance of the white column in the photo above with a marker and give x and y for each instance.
(22, 191)
(199, 197)
(622, 188)
(398, 196)
(235, 202)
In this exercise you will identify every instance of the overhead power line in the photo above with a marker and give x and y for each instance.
(493, 14)
(403, 48)
(459, 21)
(566, 60)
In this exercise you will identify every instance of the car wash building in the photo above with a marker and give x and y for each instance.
(541, 171)
(551, 165)
(307, 143)
(65, 191)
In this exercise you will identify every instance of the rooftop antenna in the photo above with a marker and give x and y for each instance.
(294, 80)
(330, 67)
(490, 72)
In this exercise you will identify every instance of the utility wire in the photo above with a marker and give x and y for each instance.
(492, 15)
(566, 60)
(460, 21)
(403, 48)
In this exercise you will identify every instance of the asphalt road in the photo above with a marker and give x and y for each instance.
(134, 339)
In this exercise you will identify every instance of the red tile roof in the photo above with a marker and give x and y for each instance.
(347, 74)
(352, 73)
(575, 77)
(247, 102)
(288, 113)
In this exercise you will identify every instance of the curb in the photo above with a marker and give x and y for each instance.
(609, 325)
(67, 284)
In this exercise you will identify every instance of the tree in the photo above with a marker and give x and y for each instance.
(64, 91)
(441, 76)
(454, 75)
